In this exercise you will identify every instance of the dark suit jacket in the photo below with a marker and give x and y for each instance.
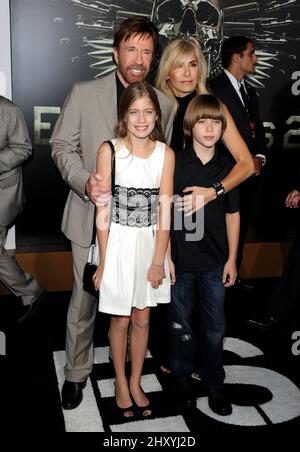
(223, 89)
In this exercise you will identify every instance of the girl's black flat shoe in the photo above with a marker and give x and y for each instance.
(126, 413)
(144, 411)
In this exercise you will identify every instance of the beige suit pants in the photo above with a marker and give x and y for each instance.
(80, 323)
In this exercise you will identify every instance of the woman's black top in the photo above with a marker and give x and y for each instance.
(177, 140)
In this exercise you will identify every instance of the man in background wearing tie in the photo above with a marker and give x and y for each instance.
(239, 59)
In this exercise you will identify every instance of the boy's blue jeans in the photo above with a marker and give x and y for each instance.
(211, 293)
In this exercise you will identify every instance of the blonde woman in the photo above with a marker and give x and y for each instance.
(181, 74)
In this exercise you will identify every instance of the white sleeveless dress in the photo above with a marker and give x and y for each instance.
(131, 241)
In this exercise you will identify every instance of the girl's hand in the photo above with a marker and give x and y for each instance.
(155, 275)
(98, 276)
(172, 271)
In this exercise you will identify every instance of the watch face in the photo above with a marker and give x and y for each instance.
(217, 185)
(219, 188)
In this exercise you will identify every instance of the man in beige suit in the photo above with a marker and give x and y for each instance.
(88, 118)
(15, 148)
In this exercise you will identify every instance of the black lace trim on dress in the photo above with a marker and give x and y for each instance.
(135, 207)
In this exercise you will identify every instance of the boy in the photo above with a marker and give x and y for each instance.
(210, 261)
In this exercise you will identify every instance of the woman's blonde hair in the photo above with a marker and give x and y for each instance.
(173, 55)
(204, 106)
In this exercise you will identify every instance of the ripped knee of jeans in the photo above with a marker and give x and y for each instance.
(179, 329)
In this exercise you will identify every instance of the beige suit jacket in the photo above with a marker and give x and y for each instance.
(15, 148)
(88, 118)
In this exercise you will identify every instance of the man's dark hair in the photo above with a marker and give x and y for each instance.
(135, 26)
(232, 45)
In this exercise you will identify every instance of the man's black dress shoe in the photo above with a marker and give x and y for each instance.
(218, 403)
(71, 394)
(241, 284)
(187, 396)
(188, 401)
(265, 323)
(28, 310)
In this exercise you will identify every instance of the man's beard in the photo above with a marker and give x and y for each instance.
(129, 77)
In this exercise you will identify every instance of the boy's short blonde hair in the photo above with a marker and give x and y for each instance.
(203, 106)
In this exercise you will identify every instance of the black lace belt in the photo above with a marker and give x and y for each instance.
(136, 207)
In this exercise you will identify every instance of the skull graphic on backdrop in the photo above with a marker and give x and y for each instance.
(202, 19)
(272, 24)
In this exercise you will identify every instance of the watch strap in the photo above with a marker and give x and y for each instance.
(220, 190)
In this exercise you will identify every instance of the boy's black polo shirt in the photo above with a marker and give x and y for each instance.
(211, 251)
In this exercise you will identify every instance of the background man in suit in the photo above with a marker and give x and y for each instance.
(88, 118)
(15, 148)
(286, 297)
(239, 59)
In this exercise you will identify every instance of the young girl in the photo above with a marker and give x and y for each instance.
(133, 274)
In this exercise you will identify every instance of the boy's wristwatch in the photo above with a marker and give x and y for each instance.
(220, 190)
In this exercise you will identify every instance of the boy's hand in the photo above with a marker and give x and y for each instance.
(229, 273)
(172, 271)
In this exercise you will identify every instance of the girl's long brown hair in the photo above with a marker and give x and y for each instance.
(133, 92)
